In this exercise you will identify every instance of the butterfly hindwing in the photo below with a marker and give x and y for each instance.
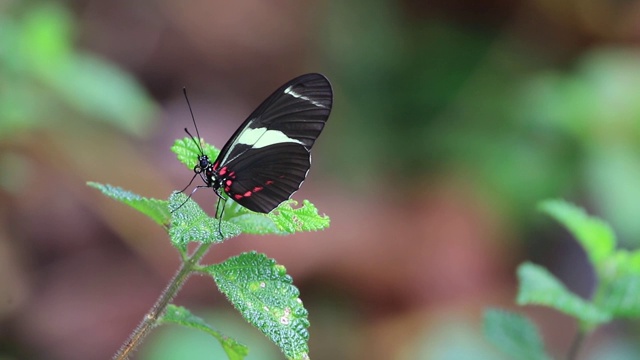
(263, 178)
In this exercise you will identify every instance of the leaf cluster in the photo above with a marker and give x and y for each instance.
(256, 285)
(615, 296)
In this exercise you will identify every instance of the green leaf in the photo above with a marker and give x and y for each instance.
(622, 262)
(252, 222)
(47, 31)
(88, 83)
(611, 173)
(284, 220)
(539, 287)
(594, 235)
(619, 287)
(181, 316)
(514, 334)
(187, 151)
(305, 218)
(263, 293)
(105, 92)
(189, 223)
(618, 271)
(621, 296)
(156, 209)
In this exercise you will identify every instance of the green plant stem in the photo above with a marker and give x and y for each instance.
(150, 319)
(575, 346)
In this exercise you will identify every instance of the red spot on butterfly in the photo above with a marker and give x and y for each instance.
(247, 194)
(257, 188)
(232, 174)
(269, 182)
(223, 171)
(229, 182)
(237, 196)
(215, 166)
(227, 189)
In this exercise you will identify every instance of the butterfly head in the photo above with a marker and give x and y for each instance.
(202, 165)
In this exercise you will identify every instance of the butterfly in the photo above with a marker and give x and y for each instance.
(268, 157)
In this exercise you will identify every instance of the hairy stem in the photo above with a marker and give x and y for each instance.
(150, 319)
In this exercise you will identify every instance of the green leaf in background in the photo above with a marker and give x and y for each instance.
(611, 174)
(157, 210)
(55, 73)
(622, 296)
(618, 271)
(47, 32)
(19, 93)
(595, 236)
(514, 334)
(305, 218)
(264, 294)
(104, 92)
(539, 287)
(624, 262)
(189, 223)
(181, 316)
(620, 287)
(596, 106)
(187, 151)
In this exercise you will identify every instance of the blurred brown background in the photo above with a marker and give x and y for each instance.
(452, 120)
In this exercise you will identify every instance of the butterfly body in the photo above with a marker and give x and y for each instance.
(268, 157)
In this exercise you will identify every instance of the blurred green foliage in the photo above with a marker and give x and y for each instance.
(514, 334)
(45, 80)
(182, 316)
(56, 100)
(614, 297)
(596, 107)
(429, 97)
(417, 96)
(442, 98)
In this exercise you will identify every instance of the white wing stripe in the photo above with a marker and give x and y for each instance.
(290, 91)
(261, 137)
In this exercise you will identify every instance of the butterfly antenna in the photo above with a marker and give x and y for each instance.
(184, 91)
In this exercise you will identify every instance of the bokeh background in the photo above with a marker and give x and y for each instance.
(452, 120)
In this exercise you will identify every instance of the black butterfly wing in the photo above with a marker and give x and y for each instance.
(295, 113)
(265, 177)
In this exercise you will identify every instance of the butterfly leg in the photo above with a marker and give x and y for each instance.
(189, 184)
(219, 213)
(190, 195)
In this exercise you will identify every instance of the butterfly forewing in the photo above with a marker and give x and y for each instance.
(294, 113)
